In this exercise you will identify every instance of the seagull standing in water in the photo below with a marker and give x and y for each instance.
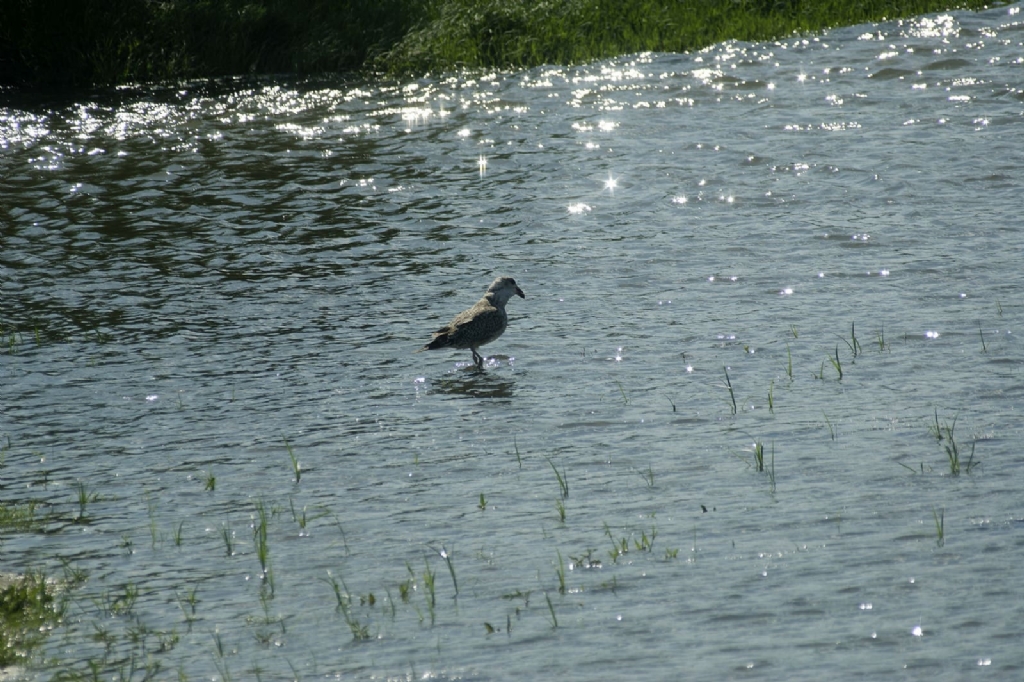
(479, 325)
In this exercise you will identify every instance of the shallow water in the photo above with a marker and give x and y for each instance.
(205, 281)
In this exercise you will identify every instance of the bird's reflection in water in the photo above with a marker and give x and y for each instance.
(476, 383)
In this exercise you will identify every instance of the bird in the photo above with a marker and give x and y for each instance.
(479, 325)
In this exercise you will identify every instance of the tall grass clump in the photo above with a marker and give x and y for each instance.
(27, 605)
(759, 463)
(837, 364)
(344, 601)
(759, 456)
(853, 344)
(945, 435)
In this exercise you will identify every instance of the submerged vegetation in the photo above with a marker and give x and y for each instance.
(27, 606)
(56, 43)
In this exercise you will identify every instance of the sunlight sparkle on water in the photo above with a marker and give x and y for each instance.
(611, 183)
(578, 208)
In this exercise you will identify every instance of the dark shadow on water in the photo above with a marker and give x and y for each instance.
(475, 383)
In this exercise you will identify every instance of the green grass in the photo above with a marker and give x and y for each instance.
(853, 344)
(447, 556)
(945, 434)
(646, 542)
(296, 466)
(27, 605)
(430, 593)
(728, 385)
(83, 496)
(551, 610)
(837, 364)
(262, 545)
(523, 33)
(560, 571)
(831, 429)
(108, 42)
(343, 597)
(563, 482)
(940, 526)
(759, 463)
(19, 517)
(187, 604)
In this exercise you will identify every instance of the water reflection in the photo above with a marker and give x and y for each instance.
(472, 382)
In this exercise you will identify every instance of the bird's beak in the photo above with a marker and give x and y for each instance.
(519, 293)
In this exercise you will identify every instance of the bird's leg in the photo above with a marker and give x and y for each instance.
(477, 358)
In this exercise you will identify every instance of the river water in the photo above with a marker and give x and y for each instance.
(807, 249)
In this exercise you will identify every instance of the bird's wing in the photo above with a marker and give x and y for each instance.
(479, 324)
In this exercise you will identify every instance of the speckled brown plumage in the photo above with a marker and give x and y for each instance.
(479, 325)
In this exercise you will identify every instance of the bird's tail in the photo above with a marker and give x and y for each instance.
(439, 341)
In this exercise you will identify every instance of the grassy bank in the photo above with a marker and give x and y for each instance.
(497, 33)
(106, 42)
